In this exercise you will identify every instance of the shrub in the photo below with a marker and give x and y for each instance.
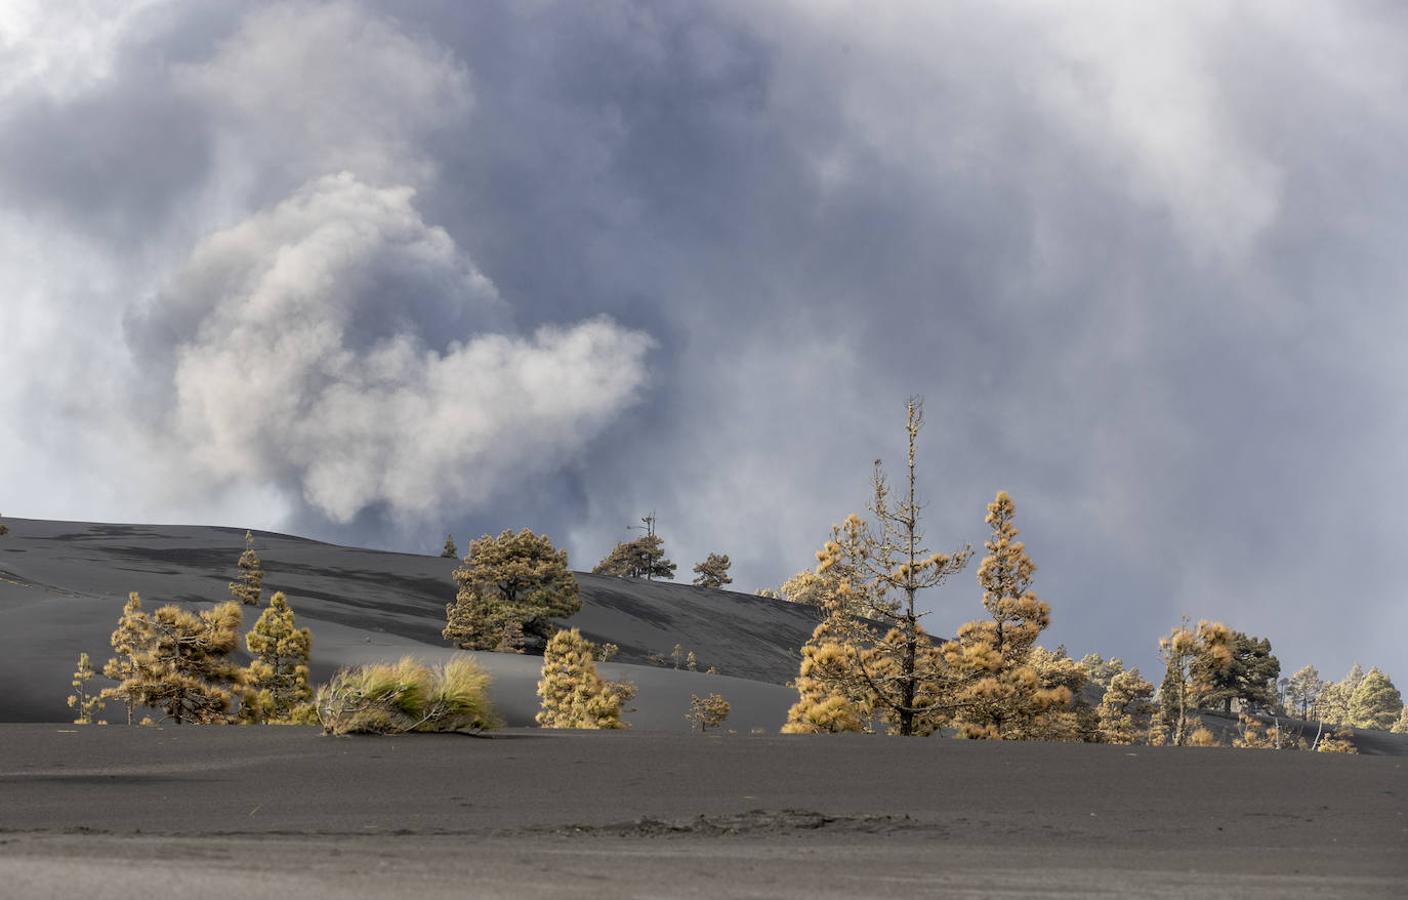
(572, 694)
(707, 712)
(407, 696)
(1202, 736)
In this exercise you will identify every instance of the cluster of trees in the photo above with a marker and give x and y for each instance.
(1359, 700)
(870, 664)
(178, 662)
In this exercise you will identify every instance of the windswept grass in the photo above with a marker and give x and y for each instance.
(407, 696)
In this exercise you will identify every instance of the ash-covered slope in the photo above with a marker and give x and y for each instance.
(62, 585)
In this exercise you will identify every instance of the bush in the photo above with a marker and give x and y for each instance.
(407, 696)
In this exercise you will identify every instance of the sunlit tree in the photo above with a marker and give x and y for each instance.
(713, 571)
(248, 586)
(276, 681)
(510, 586)
(84, 700)
(1125, 709)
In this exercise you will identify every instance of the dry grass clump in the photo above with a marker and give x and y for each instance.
(407, 696)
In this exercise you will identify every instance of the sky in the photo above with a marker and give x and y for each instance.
(371, 272)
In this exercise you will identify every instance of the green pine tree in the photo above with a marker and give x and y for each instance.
(1376, 703)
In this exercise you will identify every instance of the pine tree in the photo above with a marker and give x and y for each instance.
(571, 692)
(187, 673)
(897, 674)
(1376, 703)
(1125, 709)
(1333, 703)
(510, 587)
(1071, 720)
(1400, 726)
(1340, 740)
(4, 529)
(248, 587)
(707, 712)
(1002, 691)
(450, 551)
(130, 642)
(1229, 665)
(713, 571)
(88, 704)
(1176, 697)
(276, 681)
(1302, 690)
(643, 557)
(1100, 671)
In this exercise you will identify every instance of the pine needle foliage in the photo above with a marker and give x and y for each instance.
(187, 673)
(1231, 666)
(450, 551)
(248, 586)
(1125, 709)
(88, 704)
(707, 712)
(1303, 690)
(713, 571)
(131, 642)
(276, 681)
(407, 697)
(571, 693)
(510, 586)
(1003, 693)
(1202, 736)
(1176, 696)
(1400, 725)
(1340, 740)
(1376, 703)
(643, 557)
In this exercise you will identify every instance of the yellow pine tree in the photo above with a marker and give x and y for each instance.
(571, 693)
(1002, 693)
(832, 695)
(88, 704)
(1176, 695)
(1400, 726)
(1125, 709)
(187, 673)
(707, 712)
(248, 587)
(276, 681)
(131, 642)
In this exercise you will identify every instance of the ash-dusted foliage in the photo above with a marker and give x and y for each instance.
(449, 551)
(643, 557)
(1202, 736)
(713, 571)
(1125, 709)
(1375, 703)
(187, 671)
(1400, 726)
(131, 639)
(707, 712)
(407, 696)
(276, 682)
(1337, 741)
(248, 587)
(88, 704)
(510, 586)
(573, 695)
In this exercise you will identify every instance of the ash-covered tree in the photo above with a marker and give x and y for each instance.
(713, 571)
(643, 557)
(898, 670)
(188, 673)
(4, 529)
(1303, 690)
(276, 689)
(832, 695)
(1002, 693)
(1125, 709)
(1100, 671)
(1376, 703)
(510, 588)
(88, 704)
(571, 693)
(248, 586)
(1176, 696)
(707, 712)
(1400, 725)
(1072, 720)
(131, 643)
(450, 551)
(1232, 666)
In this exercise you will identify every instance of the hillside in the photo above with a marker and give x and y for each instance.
(62, 585)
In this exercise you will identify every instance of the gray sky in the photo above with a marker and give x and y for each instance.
(371, 272)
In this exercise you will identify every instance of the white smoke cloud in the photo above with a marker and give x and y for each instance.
(295, 355)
